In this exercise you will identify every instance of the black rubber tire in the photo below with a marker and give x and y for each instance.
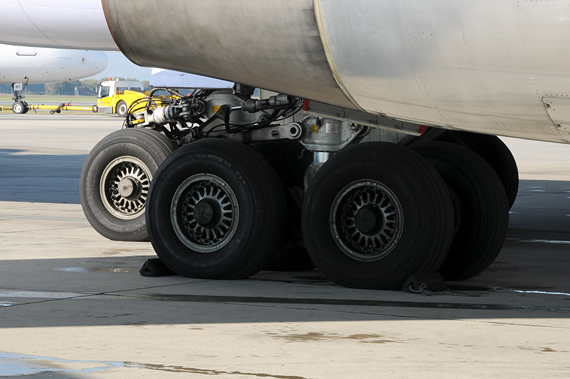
(256, 191)
(148, 146)
(426, 210)
(495, 153)
(484, 208)
(122, 108)
(290, 161)
(20, 107)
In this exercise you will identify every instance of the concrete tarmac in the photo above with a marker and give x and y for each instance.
(73, 305)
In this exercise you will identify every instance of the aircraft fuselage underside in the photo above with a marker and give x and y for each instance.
(486, 66)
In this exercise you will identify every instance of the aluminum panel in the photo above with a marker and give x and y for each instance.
(47, 23)
(481, 65)
(271, 44)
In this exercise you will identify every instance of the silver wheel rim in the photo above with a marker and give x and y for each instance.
(205, 213)
(366, 220)
(18, 108)
(121, 172)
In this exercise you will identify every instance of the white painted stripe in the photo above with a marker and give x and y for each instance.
(40, 294)
(552, 242)
(18, 217)
(535, 292)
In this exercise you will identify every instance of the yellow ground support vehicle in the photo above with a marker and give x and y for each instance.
(116, 96)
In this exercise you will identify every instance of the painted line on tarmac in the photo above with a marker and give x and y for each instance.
(40, 294)
(17, 217)
(532, 292)
(25, 365)
(551, 242)
(12, 364)
(47, 296)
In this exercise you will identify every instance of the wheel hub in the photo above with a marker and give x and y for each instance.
(204, 213)
(124, 187)
(207, 213)
(366, 220)
(128, 187)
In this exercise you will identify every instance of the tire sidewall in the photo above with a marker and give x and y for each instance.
(172, 251)
(401, 262)
(18, 108)
(119, 145)
(495, 153)
(484, 208)
(122, 108)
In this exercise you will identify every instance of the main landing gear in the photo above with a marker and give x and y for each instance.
(373, 215)
(224, 187)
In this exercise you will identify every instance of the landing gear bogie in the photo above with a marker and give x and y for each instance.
(258, 184)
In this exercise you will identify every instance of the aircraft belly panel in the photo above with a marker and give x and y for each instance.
(273, 44)
(479, 65)
(558, 109)
(475, 65)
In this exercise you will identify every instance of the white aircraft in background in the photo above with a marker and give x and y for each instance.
(23, 65)
(455, 72)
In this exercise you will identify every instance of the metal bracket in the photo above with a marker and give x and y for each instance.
(362, 118)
